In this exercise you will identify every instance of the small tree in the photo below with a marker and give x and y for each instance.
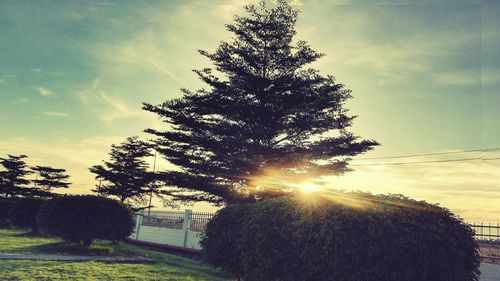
(13, 180)
(126, 176)
(49, 178)
(264, 110)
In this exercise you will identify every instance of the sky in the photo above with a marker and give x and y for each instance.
(425, 77)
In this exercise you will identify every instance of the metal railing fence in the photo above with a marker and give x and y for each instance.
(486, 232)
(175, 219)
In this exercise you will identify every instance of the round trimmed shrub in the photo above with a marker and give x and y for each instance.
(4, 212)
(221, 241)
(350, 236)
(22, 213)
(82, 219)
(268, 244)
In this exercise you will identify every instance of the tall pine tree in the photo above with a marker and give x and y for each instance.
(48, 178)
(126, 176)
(13, 181)
(263, 110)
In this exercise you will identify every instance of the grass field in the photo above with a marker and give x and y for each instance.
(167, 266)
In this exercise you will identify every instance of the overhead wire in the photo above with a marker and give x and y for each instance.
(429, 161)
(431, 154)
(418, 162)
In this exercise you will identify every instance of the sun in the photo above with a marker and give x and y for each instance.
(308, 187)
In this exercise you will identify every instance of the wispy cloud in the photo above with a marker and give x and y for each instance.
(394, 54)
(108, 108)
(490, 75)
(55, 114)
(164, 46)
(296, 3)
(120, 109)
(227, 10)
(19, 101)
(459, 78)
(4, 79)
(44, 92)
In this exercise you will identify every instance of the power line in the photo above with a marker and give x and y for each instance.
(423, 162)
(488, 159)
(430, 154)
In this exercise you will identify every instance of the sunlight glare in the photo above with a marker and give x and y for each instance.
(308, 187)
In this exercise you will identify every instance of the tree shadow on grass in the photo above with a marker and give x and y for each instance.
(66, 248)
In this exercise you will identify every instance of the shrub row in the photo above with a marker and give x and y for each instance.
(355, 237)
(78, 219)
(4, 212)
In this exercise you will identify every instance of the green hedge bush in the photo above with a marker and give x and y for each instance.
(221, 244)
(4, 212)
(354, 237)
(22, 213)
(82, 219)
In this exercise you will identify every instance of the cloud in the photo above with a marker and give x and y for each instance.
(459, 78)
(44, 92)
(107, 107)
(55, 114)
(414, 49)
(227, 10)
(20, 101)
(5, 78)
(490, 75)
(141, 53)
(120, 109)
(163, 46)
(296, 3)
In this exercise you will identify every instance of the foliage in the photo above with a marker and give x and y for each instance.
(13, 180)
(264, 109)
(126, 175)
(4, 212)
(221, 240)
(83, 219)
(49, 178)
(360, 237)
(23, 212)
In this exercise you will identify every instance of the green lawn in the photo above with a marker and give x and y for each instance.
(167, 266)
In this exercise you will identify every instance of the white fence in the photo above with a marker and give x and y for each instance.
(180, 229)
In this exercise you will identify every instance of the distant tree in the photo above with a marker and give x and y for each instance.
(13, 181)
(263, 110)
(48, 178)
(126, 176)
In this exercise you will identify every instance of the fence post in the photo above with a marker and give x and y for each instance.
(185, 225)
(138, 223)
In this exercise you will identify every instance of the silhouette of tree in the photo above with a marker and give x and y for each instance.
(13, 178)
(263, 110)
(126, 176)
(49, 178)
